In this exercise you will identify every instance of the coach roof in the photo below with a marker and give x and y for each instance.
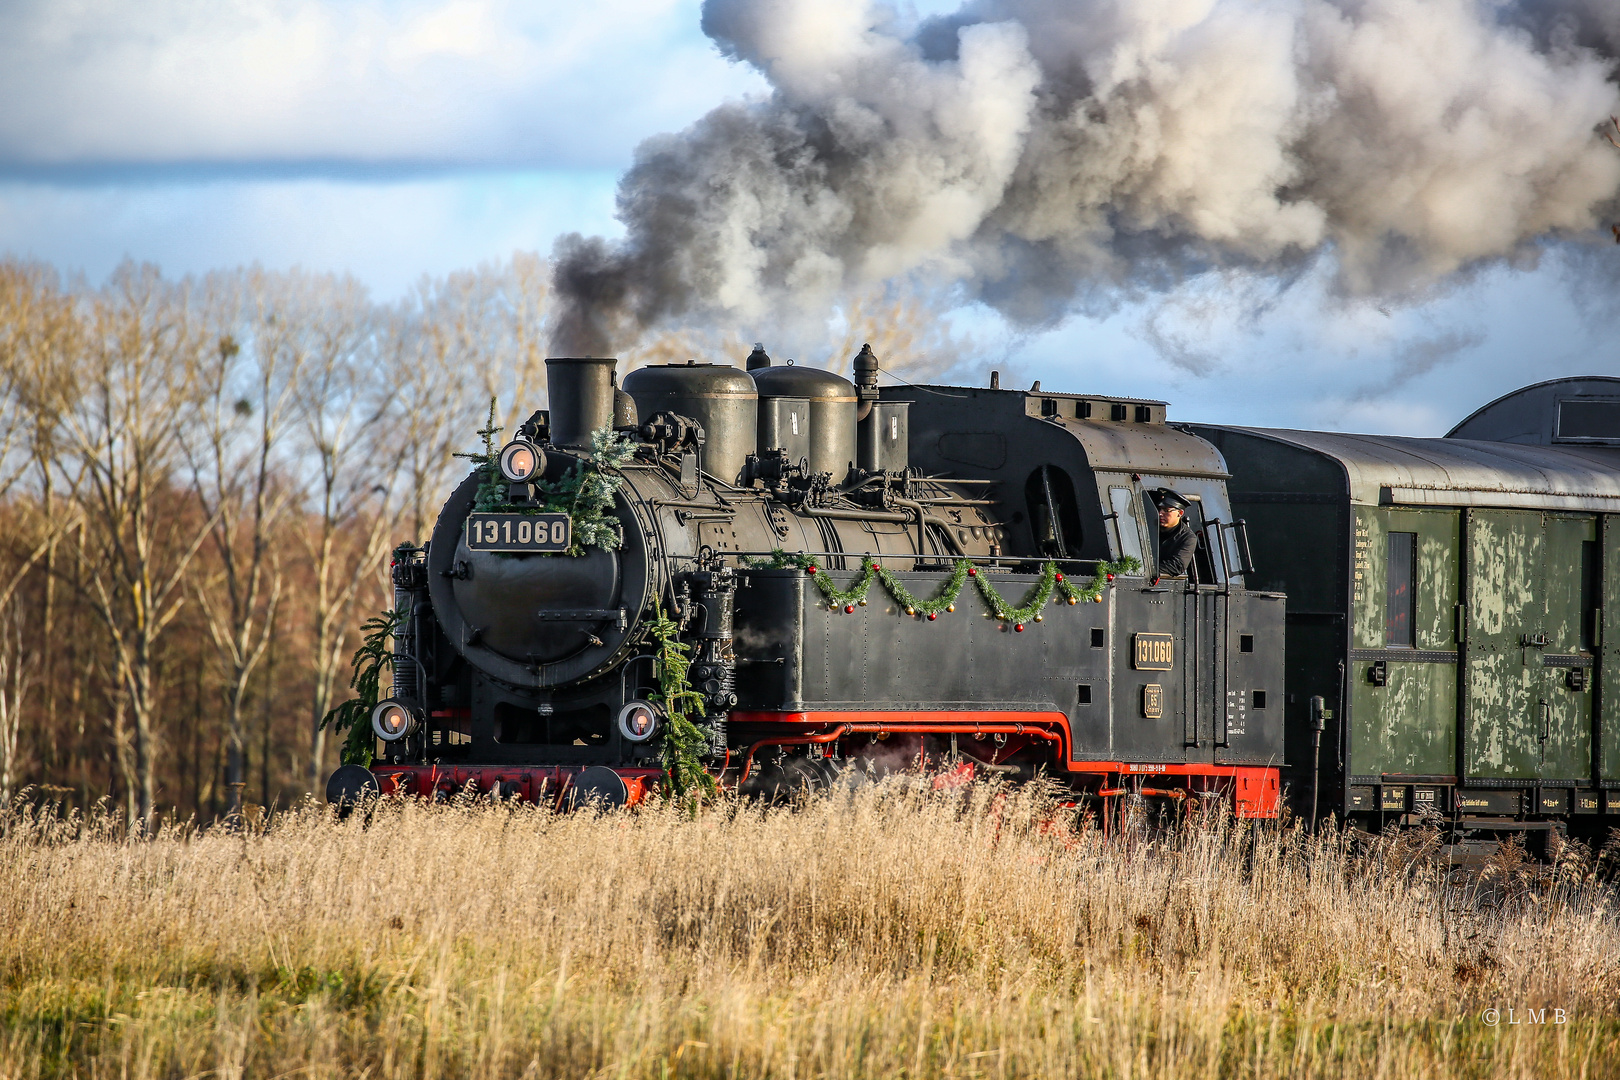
(1392, 470)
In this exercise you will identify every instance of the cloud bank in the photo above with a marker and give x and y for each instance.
(1051, 155)
(458, 82)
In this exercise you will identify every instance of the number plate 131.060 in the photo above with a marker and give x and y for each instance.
(1153, 652)
(518, 532)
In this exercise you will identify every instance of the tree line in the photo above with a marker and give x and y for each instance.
(200, 483)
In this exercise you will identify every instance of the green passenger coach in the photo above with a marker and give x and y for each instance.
(1455, 605)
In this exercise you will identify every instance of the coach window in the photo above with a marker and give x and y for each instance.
(1591, 589)
(1399, 589)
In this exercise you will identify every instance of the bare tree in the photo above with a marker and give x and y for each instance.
(28, 303)
(455, 345)
(40, 342)
(525, 285)
(907, 329)
(247, 405)
(133, 392)
(18, 653)
(353, 451)
(907, 326)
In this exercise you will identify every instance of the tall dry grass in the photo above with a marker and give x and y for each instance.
(890, 932)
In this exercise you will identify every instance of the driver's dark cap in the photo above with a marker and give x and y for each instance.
(1169, 500)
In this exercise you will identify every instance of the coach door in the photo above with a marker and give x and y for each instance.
(1532, 622)
(1566, 639)
(1502, 611)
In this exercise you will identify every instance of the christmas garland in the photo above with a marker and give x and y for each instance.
(1051, 582)
(683, 741)
(585, 492)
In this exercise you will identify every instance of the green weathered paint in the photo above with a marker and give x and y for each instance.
(1410, 725)
(1609, 653)
(1368, 554)
(1506, 562)
(1567, 749)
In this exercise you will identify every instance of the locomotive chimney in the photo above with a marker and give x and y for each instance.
(582, 397)
(759, 357)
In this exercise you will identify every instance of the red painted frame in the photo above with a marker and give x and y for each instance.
(1255, 791)
(535, 783)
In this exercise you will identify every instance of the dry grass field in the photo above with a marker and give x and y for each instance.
(893, 932)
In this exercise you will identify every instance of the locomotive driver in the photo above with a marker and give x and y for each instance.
(1177, 541)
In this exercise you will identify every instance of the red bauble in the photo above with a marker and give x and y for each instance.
(1018, 628)
(973, 571)
(849, 609)
(1110, 577)
(1059, 579)
(810, 569)
(932, 616)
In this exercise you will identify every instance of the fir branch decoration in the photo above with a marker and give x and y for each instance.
(491, 485)
(940, 603)
(1093, 589)
(585, 492)
(354, 715)
(683, 741)
(944, 600)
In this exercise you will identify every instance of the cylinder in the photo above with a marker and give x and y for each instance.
(581, 392)
(717, 396)
(832, 413)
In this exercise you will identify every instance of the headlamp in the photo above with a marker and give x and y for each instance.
(521, 461)
(392, 720)
(638, 722)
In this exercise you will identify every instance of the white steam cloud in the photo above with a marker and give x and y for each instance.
(1054, 153)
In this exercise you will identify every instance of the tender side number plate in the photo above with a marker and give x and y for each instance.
(1152, 652)
(518, 532)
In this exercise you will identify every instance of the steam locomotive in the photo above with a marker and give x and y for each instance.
(866, 577)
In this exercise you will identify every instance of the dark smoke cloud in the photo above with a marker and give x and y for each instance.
(1055, 154)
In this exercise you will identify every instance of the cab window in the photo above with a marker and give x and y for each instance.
(1127, 529)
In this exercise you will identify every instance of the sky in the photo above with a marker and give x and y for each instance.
(392, 140)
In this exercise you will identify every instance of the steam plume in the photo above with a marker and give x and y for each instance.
(1049, 153)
